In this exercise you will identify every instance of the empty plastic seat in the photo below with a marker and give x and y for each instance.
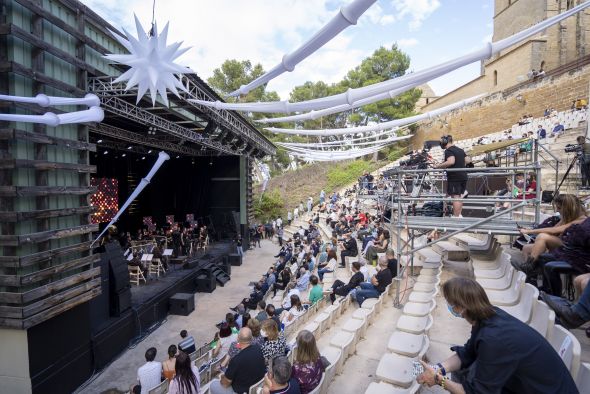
(344, 341)
(418, 296)
(329, 374)
(500, 283)
(543, 318)
(376, 303)
(386, 388)
(334, 356)
(408, 344)
(413, 324)
(425, 287)
(427, 278)
(430, 271)
(509, 296)
(356, 326)
(314, 328)
(498, 270)
(524, 309)
(335, 309)
(364, 314)
(568, 347)
(418, 309)
(323, 320)
(396, 369)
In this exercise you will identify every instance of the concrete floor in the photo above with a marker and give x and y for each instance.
(209, 310)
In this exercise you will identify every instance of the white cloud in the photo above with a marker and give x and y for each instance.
(417, 10)
(377, 16)
(407, 42)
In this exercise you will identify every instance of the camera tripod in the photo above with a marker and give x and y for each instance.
(577, 157)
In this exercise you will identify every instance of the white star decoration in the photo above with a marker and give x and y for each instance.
(151, 63)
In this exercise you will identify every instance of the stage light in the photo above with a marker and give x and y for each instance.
(129, 147)
(105, 152)
(143, 158)
(210, 163)
(124, 154)
(178, 157)
(150, 151)
(99, 141)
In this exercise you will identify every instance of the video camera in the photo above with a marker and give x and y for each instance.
(419, 159)
(573, 148)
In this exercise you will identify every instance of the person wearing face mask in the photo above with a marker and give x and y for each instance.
(503, 354)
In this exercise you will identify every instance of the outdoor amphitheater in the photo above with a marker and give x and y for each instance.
(173, 227)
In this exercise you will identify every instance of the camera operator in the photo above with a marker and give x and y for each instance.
(455, 157)
(584, 159)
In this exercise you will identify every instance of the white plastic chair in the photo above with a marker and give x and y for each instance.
(511, 295)
(543, 319)
(583, 378)
(523, 311)
(568, 347)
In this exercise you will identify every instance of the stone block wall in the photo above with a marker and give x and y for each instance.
(500, 111)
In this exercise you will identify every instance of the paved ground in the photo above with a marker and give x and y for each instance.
(209, 310)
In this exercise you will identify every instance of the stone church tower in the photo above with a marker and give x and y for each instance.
(560, 44)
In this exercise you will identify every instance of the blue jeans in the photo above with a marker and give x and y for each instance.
(323, 271)
(367, 290)
(240, 251)
(582, 307)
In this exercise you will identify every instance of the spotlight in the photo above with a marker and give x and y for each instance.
(129, 147)
(124, 154)
(105, 152)
(99, 141)
(178, 157)
(210, 163)
(150, 151)
(143, 158)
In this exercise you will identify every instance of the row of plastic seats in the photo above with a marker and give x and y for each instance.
(506, 288)
(410, 341)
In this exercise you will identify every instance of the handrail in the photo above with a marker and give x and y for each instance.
(549, 152)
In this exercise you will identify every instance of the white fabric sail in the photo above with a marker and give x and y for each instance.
(347, 142)
(162, 157)
(378, 126)
(347, 16)
(93, 114)
(42, 100)
(335, 155)
(417, 78)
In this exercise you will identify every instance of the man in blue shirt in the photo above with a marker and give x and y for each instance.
(541, 133)
(557, 130)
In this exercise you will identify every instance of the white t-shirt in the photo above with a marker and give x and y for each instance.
(225, 344)
(287, 302)
(292, 312)
(174, 387)
(279, 222)
(149, 375)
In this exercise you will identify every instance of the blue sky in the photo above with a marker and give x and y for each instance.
(430, 31)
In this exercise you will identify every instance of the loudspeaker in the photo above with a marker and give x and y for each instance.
(120, 302)
(205, 282)
(118, 273)
(182, 304)
(235, 259)
(99, 305)
(225, 265)
(190, 264)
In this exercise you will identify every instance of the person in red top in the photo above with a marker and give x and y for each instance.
(531, 188)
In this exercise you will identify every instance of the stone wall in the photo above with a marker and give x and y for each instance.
(500, 111)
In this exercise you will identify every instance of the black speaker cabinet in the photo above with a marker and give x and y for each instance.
(235, 259)
(225, 265)
(182, 304)
(205, 282)
(120, 302)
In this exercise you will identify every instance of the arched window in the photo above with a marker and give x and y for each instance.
(495, 78)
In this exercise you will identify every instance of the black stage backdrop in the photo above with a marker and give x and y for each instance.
(207, 187)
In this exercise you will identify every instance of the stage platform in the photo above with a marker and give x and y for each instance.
(177, 275)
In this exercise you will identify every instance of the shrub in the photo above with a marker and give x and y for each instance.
(270, 205)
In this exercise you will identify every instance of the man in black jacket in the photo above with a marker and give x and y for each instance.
(342, 289)
(377, 286)
(349, 248)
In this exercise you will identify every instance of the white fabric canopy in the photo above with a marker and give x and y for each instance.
(417, 78)
(90, 100)
(347, 142)
(347, 16)
(378, 126)
(335, 155)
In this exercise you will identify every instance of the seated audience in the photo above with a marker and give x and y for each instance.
(296, 310)
(557, 130)
(307, 366)
(149, 375)
(270, 312)
(283, 280)
(571, 315)
(246, 368)
(377, 286)
(391, 262)
(261, 316)
(187, 344)
(257, 339)
(379, 246)
(223, 340)
(503, 355)
(278, 379)
(169, 365)
(349, 248)
(330, 266)
(317, 291)
(275, 343)
(186, 380)
(342, 289)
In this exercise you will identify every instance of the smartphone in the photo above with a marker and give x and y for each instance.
(417, 369)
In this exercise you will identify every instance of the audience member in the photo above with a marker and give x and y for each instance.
(349, 248)
(329, 266)
(378, 247)
(169, 365)
(223, 340)
(377, 286)
(296, 309)
(275, 343)
(342, 289)
(557, 130)
(503, 354)
(186, 380)
(571, 315)
(317, 291)
(270, 311)
(307, 366)
(261, 316)
(187, 344)
(278, 379)
(541, 132)
(246, 368)
(149, 375)
(391, 262)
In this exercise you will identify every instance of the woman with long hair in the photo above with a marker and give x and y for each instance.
(378, 247)
(169, 365)
(572, 211)
(186, 380)
(296, 310)
(307, 366)
(275, 343)
(330, 265)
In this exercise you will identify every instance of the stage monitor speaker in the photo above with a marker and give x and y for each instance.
(225, 265)
(235, 259)
(182, 304)
(120, 302)
(205, 282)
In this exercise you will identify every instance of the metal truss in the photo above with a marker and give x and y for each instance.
(139, 139)
(110, 93)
